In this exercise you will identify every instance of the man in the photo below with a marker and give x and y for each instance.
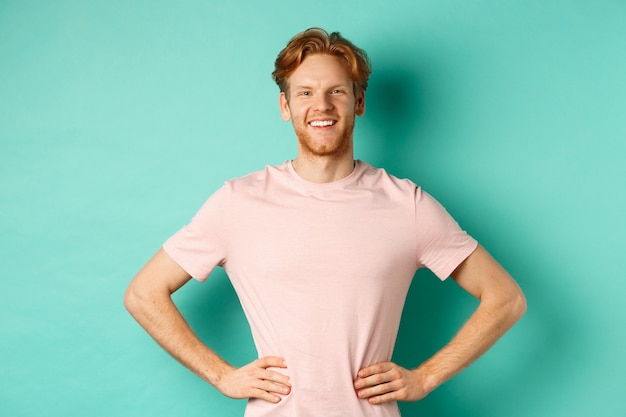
(321, 251)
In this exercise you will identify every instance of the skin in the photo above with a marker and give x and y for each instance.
(321, 90)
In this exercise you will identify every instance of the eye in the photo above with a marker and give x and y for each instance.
(336, 91)
(305, 93)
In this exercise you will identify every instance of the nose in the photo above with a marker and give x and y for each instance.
(323, 102)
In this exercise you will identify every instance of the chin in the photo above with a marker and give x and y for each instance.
(325, 150)
(336, 147)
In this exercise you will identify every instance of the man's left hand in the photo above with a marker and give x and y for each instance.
(386, 381)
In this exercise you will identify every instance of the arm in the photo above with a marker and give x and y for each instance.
(502, 303)
(148, 299)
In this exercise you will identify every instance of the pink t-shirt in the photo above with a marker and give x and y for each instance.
(322, 272)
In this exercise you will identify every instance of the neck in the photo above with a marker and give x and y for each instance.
(323, 169)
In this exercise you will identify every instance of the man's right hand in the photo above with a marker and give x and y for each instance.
(255, 380)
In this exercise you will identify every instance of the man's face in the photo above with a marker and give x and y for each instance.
(322, 105)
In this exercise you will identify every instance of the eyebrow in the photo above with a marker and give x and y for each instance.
(307, 87)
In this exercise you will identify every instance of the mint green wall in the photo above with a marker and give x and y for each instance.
(117, 120)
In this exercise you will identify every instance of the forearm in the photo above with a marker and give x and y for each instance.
(486, 325)
(158, 315)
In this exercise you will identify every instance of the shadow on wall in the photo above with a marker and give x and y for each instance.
(394, 101)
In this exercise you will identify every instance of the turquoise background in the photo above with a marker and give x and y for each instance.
(118, 119)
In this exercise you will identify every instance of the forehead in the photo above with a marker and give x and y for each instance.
(321, 69)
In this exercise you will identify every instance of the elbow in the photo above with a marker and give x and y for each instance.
(133, 300)
(509, 306)
(141, 299)
(130, 300)
(518, 305)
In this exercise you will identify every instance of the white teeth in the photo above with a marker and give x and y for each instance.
(322, 123)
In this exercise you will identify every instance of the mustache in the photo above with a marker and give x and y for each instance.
(324, 114)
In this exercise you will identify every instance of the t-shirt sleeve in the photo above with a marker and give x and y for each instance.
(199, 246)
(441, 244)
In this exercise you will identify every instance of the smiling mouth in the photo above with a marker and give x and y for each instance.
(322, 123)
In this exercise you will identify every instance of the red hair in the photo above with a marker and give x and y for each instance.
(318, 41)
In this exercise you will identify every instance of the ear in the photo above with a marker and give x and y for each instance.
(285, 112)
(359, 106)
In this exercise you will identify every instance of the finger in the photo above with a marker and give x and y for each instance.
(370, 381)
(264, 395)
(273, 387)
(374, 369)
(274, 377)
(260, 369)
(375, 390)
(271, 362)
(267, 390)
(373, 380)
(385, 398)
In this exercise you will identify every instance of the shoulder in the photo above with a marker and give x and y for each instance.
(256, 181)
(379, 178)
(235, 195)
(398, 188)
